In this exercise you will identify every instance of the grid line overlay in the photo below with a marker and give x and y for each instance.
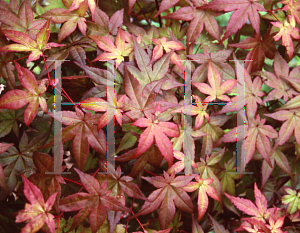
(187, 147)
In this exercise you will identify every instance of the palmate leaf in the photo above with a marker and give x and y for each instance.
(258, 136)
(140, 101)
(215, 90)
(158, 130)
(259, 211)
(47, 183)
(292, 122)
(82, 128)
(163, 44)
(116, 182)
(9, 121)
(292, 199)
(145, 73)
(287, 31)
(118, 51)
(261, 48)
(16, 99)
(169, 194)
(204, 189)
(17, 162)
(243, 9)
(200, 18)
(113, 103)
(151, 156)
(25, 43)
(24, 22)
(280, 84)
(281, 160)
(215, 59)
(37, 211)
(92, 204)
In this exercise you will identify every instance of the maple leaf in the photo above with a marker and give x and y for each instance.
(24, 22)
(276, 223)
(199, 17)
(292, 199)
(243, 9)
(118, 185)
(118, 51)
(204, 189)
(9, 120)
(199, 110)
(47, 183)
(70, 19)
(151, 156)
(113, 103)
(258, 136)
(282, 89)
(16, 99)
(180, 165)
(145, 73)
(27, 44)
(186, 140)
(77, 3)
(217, 60)
(159, 130)
(92, 204)
(169, 194)
(280, 159)
(259, 211)
(287, 30)
(140, 101)
(19, 161)
(206, 169)
(215, 90)
(293, 8)
(82, 128)
(292, 121)
(261, 48)
(227, 176)
(212, 132)
(38, 211)
(252, 93)
(163, 44)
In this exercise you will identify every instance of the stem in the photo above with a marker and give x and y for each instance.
(90, 62)
(159, 18)
(72, 181)
(47, 70)
(16, 59)
(146, 18)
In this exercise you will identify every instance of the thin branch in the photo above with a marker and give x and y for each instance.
(159, 18)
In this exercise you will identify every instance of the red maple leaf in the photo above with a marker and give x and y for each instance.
(38, 211)
(243, 9)
(157, 129)
(16, 99)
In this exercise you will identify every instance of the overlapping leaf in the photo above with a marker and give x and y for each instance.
(158, 130)
(169, 194)
(37, 211)
(16, 99)
(204, 189)
(25, 43)
(92, 204)
(243, 9)
(82, 128)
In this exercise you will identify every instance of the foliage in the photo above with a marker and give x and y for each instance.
(175, 164)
